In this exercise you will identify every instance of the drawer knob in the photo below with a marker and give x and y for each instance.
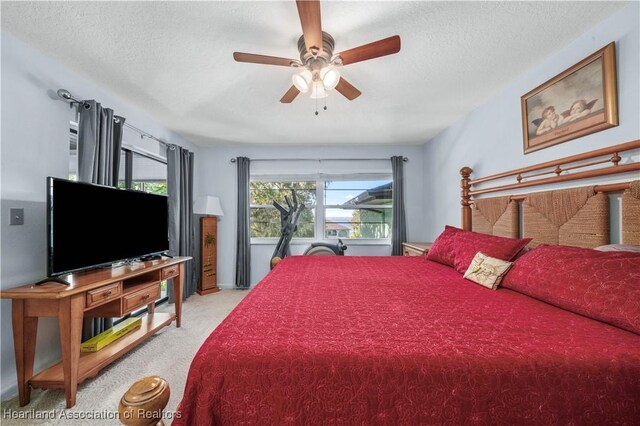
(109, 293)
(145, 297)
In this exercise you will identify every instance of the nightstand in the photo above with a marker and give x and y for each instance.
(415, 249)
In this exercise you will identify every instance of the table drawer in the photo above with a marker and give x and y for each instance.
(140, 298)
(102, 295)
(170, 272)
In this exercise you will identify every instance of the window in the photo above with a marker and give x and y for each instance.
(73, 150)
(336, 208)
(265, 218)
(148, 174)
(358, 209)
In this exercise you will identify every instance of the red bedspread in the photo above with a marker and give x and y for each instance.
(406, 341)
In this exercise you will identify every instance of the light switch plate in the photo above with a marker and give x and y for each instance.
(16, 217)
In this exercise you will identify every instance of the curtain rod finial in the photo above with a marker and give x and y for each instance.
(233, 160)
(64, 94)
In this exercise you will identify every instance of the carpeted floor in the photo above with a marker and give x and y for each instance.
(167, 354)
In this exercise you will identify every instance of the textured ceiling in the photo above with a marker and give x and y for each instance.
(174, 60)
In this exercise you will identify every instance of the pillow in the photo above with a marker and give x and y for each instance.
(618, 247)
(602, 285)
(487, 271)
(522, 252)
(456, 247)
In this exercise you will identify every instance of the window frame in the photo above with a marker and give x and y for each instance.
(320, 211)
(274, 240)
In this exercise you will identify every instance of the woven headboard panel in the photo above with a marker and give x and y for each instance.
(573, 217)
(631, 214)
(496, 216)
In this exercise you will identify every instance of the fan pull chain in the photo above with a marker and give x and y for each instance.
(325, 105)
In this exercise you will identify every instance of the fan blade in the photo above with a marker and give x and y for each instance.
(262, 59)
(347, 89)
(309, 11)
(376, 49)
(290, 95)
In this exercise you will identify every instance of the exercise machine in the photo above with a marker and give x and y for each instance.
(288, 223)
(326, 249)
(289, 217)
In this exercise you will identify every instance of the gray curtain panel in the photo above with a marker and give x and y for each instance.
(243, 246)
(99, 143)
(181, 231)
(398, 223)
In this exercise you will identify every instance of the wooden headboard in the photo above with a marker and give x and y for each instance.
(575, 216)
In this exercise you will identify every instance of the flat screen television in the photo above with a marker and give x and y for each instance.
(92, 225)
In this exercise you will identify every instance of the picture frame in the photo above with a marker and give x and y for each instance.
(575, 103)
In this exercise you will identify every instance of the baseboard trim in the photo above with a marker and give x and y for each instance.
(9, 392)
(233, 286)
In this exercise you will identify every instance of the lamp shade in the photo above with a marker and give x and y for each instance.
(317, 90)
(209, 205)
(330, 77)
(302, 81)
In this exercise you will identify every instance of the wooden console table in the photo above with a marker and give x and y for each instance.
(107, 292)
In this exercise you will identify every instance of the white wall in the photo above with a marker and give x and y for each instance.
(489, 139)
(34, 145)
(217, 176)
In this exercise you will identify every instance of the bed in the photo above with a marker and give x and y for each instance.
(408, 340)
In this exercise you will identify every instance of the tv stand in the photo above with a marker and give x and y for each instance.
(113, 292)
(56, 280)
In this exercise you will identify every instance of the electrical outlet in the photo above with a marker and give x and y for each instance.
(16, 217)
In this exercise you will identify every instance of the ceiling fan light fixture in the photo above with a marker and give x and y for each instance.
(317, 71)
(317, 90)
(302, 81)
(330, 77)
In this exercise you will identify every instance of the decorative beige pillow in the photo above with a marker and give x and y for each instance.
(487, 271)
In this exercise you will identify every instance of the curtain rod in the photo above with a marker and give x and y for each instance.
(233, 160)
(66, 96)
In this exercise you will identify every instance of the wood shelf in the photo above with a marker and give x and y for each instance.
(143, 279)
(133, 287)
(91, 363)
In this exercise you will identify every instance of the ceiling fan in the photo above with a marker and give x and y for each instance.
(318, 65)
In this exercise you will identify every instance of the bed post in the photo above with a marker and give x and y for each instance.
(465, 200)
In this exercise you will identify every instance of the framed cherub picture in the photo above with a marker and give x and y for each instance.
(575, 103)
